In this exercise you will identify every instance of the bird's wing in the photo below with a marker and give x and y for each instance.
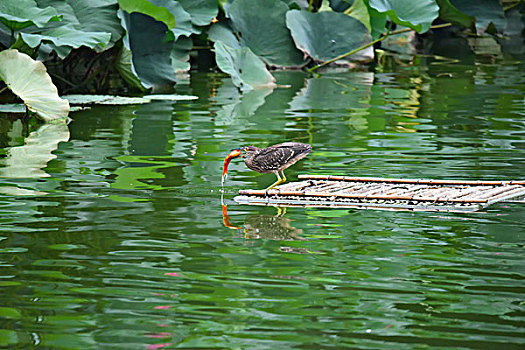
(274, 157)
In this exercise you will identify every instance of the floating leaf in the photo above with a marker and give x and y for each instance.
(20, 14)
(12, 108)
(325, 35)
(28, 79)
(261, 25)
(246, 69)
(171, 97)
(104, 100)
(417, 15)
(123, 100)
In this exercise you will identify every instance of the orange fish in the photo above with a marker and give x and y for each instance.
(233, 154)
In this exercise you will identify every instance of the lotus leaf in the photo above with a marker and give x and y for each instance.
(20, 14)
(261, 26)
(417, 15)
(28, 79)
(449, 13)
(485, 11)
(66, 38)
(78, 27)
(222, 32)
(105, 100)
(247, 70)
(201, 11)
(359, 11)
(180, 54)
(80, 14)
(124, 66)
(145, 7)
(123, 100)
(151, 54)
(326, 35)
(182, 18)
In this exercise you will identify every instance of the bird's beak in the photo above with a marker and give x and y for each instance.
(233, 154)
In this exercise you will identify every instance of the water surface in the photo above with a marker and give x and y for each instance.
(112, 234)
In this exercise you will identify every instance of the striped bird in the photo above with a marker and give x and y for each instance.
(274, 159)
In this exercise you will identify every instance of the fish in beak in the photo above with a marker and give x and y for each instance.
(233, 154)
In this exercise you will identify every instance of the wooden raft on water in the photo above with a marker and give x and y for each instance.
(383, 193)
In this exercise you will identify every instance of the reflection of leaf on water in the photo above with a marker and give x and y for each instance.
(130, 177)
(29, 160)
(241, 106)
(334, 92)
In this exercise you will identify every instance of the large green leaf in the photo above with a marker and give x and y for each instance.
(180, 54)
(359, 11)
(78, 27)
(221, 31)
(448, 13)
(160, 13)
(261, 26)
(124, 65)
(247, 70)
(417, 15)
(151, 54)
(169, 12)
(28, 79)
(341, 5)
(326, 35)
(80, 14)
(65, 38)
(487, 12)
(20, 14)
(201, 11)
(377, 22)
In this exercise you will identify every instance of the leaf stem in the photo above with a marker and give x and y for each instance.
(388, 33)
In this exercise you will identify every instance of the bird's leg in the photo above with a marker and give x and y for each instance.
(284, 177)
(279, 181)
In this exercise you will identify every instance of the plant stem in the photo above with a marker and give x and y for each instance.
(310, 5)
(310, 70)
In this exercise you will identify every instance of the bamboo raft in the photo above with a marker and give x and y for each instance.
(387, 194)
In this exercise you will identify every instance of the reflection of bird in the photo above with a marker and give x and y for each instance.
(274, 159)
(271, 227)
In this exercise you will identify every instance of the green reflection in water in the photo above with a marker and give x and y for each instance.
(128, 247)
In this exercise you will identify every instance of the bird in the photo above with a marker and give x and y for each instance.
(274, 159)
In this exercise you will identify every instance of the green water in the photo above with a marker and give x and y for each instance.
(112, 233)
